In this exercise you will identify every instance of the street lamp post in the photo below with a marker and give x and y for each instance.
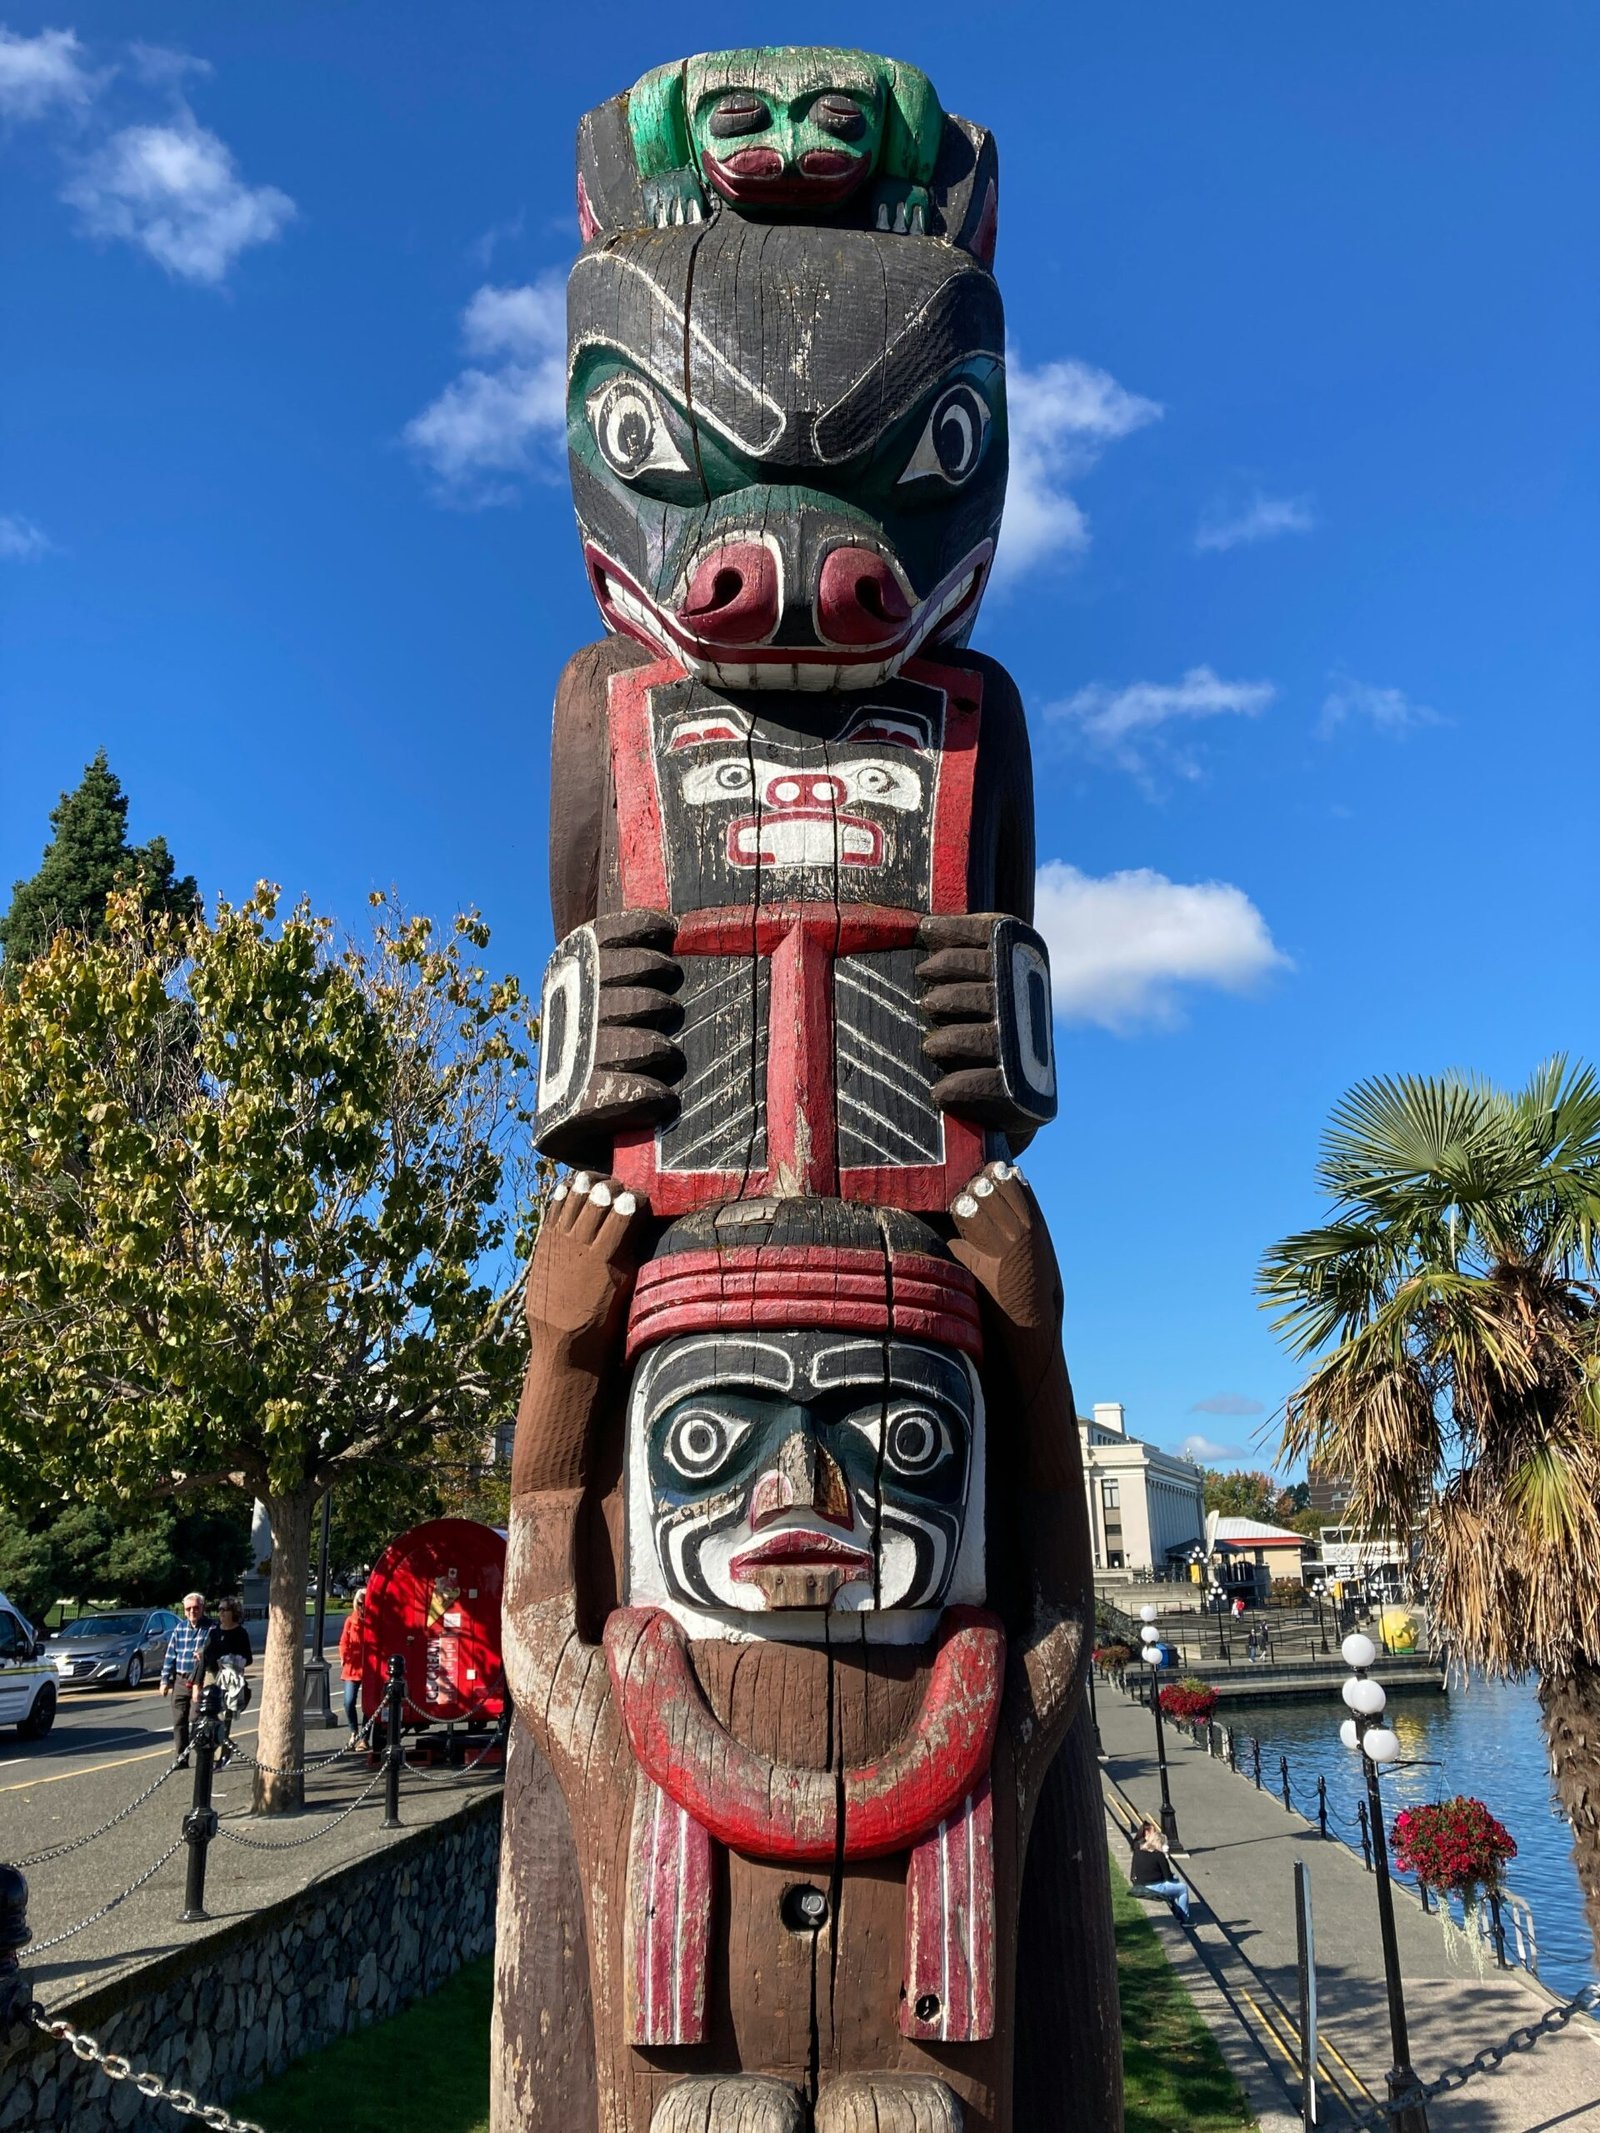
(1365, 1700)
(1150, 1642)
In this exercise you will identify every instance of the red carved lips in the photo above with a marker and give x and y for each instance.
(802, 1547)
(759, 177)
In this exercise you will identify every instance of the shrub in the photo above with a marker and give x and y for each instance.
(1455, 1845)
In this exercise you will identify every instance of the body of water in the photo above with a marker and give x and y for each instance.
(1483, 1739)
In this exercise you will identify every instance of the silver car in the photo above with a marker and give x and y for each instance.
(111, 1651)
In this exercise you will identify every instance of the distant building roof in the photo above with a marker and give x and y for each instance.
(1255, 1533)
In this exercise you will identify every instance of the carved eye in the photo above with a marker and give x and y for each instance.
(701, 1440)
(733, 777)
(952, 444)
(840, 115)
(917, 1440)
(738, 112)
(874, 781)
(631, 430)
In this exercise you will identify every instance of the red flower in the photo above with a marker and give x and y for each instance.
(1456, 1845)
(1190, 1700)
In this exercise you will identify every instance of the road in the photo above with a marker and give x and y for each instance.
(90, 1763)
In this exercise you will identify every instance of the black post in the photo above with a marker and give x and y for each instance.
(15, 1991)
(1169, 1819)
(1322, 1806)
(1498, 1922)
(1283, 1777)
(1255, 1762)
(1233, 1750)
(200, 1823)
(1094, 1718)
(393, 1748)
(1306, 1965)
(1422, 1891)
(1401, 2076)
(1366, 1840)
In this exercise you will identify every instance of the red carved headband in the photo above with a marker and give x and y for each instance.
(806, 1288)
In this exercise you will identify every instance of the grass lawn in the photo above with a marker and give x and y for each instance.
(427, 2070)
(424, 2071)
(1176, 2079)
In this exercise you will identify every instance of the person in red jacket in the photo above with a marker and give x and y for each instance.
(353, 1662)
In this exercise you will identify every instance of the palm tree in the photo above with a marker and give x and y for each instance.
(1450, 1305)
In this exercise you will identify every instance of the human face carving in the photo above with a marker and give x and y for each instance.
(794, 1473)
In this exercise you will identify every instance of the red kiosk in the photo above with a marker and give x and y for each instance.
(434, 1598)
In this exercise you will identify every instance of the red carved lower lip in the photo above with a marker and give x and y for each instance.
(800, 1546)
(784, 186)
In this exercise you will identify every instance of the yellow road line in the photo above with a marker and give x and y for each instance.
(120, 1762)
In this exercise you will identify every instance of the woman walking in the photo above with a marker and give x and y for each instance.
(353, 1663)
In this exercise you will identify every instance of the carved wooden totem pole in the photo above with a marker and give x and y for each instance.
(800, 1830)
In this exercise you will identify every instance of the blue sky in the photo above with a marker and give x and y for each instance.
(1302, 559)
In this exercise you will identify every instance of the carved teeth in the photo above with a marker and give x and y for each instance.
(919, 222)
(901, 221)
(883, 214)
(693, 211)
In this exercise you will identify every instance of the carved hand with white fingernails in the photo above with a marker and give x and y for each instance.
(1003, 1243)
(587, 1254)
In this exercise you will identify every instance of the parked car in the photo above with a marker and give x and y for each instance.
(27, 1679)
(111, 1651)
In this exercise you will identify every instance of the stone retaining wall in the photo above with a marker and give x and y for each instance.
(257, 1994)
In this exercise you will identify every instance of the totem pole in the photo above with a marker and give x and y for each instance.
(801, 1831)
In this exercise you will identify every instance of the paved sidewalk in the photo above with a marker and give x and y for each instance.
(1239, 1960)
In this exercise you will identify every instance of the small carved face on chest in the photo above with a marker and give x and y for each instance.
(793, 1473)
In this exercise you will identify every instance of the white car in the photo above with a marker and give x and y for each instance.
(27, 1678)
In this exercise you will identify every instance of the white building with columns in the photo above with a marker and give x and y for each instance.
(1143, 1502)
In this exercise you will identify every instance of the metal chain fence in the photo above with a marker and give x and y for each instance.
(117, 2068)
(1584, 2001)
(60, 1851)
(294, 1844)
(39, 1946)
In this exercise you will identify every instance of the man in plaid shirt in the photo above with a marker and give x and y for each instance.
(183, 1668)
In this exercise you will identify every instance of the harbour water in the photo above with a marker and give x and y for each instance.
(1483, 1739)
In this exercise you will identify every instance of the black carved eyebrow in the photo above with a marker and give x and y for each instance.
(897, 1366)
(840, 115)
(739, 112)
(717, 1360)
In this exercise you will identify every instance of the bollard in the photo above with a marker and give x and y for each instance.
(392, 1747)
(15, 1993)
(1283, 1776)
(1366, 1835)
(200, 1823)
(1322, 1806)
(1422, 1891)
(1233, 1750)
(1255, 1762)
(1497, 1922)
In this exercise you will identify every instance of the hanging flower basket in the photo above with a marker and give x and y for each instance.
(1112, 1658)
(1456, 1846)
(1189, 1700)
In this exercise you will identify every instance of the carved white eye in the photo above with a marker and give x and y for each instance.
(701, 1440)
(631, 430)
(733, 777)
(952, 443)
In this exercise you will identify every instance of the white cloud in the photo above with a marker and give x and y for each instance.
(176, 192)
(1228, 1403)
(504, 414)
(40, 74)
(1388, 710)
(1204, 1453)
(1121, 723)
(21, 540)
(1261, 518)
(1123, 945)
(1062, 416)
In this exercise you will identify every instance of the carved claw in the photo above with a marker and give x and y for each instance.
(1003, 1243)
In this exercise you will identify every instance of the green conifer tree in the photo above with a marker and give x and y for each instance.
(86, 859)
